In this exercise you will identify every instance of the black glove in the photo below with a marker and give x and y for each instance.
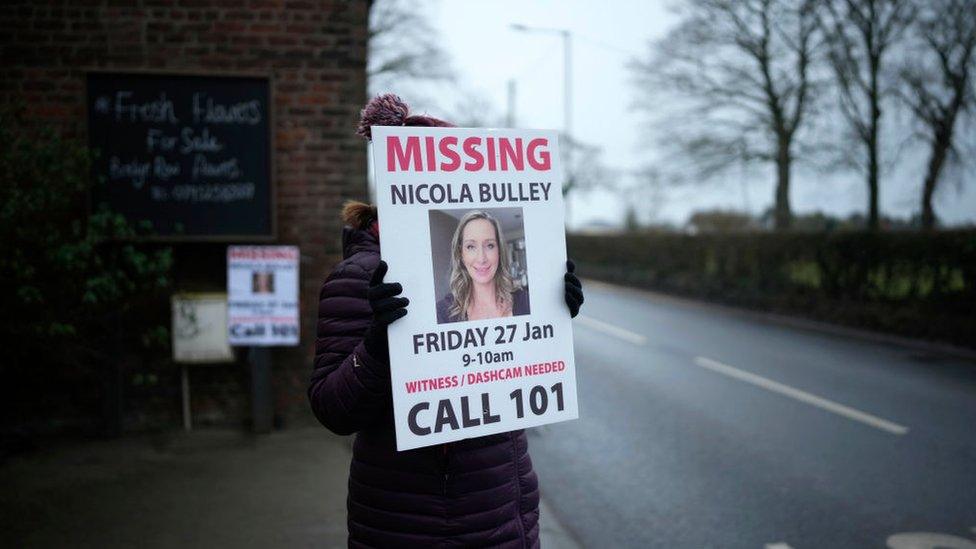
(386, 309)
(574, 290)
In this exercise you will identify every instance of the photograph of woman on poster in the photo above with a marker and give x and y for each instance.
(481, 283)
(262, 282)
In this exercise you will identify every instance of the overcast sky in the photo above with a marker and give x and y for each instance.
(487, 53)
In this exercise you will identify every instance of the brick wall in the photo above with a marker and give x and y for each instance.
(315, 54)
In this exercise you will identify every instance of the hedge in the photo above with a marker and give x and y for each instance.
(912, 284)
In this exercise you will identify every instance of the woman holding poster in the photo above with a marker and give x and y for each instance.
(476, 492)
(481, 279)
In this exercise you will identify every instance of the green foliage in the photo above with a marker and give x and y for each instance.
(720, 221)
(73, 286)
(915, 284)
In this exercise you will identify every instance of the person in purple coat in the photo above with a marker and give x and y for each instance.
(478, 492)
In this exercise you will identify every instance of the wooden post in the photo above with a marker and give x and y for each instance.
(262, 407)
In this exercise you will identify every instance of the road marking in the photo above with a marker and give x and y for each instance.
(611, 330)
(778, 545)
(802, 396)
(928, 540)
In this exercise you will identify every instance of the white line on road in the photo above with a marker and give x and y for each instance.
(802, 396)
(611, 330)
(778, 545)
(923, 540)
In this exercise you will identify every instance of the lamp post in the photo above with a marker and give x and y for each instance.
(567, 88)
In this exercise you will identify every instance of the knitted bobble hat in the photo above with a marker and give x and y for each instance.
(382, 110)
(389, 110)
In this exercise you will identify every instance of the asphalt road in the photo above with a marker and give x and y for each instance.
(700, 427)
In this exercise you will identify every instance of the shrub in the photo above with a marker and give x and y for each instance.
(914, 284)
(75, 290)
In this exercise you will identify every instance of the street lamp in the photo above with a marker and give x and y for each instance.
(567, 96)
(567, 72)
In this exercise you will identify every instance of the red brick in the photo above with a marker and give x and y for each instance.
(229, 26)
(316, 53)
(265, 27)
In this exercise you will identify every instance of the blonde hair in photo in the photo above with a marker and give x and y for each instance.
(461, 280)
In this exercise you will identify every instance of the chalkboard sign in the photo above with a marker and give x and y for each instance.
(190, 154)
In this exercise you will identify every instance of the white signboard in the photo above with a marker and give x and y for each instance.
(471, 224)
(262, 288)
(200, 328)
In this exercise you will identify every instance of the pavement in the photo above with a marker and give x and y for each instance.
(206, 488)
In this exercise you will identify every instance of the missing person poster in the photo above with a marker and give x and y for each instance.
(471, 224)
(262, 295)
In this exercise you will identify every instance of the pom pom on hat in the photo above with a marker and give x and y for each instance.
(383, 110)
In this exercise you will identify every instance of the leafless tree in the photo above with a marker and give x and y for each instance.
(645, 195)
(404, 51)
(741, 72)
(471, 109)
(583, 167)
(860, 33)
(938, 85)
(583, 170)
(406, 57)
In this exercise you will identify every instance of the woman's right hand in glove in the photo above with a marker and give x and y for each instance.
(387, 308)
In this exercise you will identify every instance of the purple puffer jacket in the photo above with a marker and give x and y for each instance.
(479, 492)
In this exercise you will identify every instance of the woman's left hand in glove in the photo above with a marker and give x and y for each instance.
(574, 290)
